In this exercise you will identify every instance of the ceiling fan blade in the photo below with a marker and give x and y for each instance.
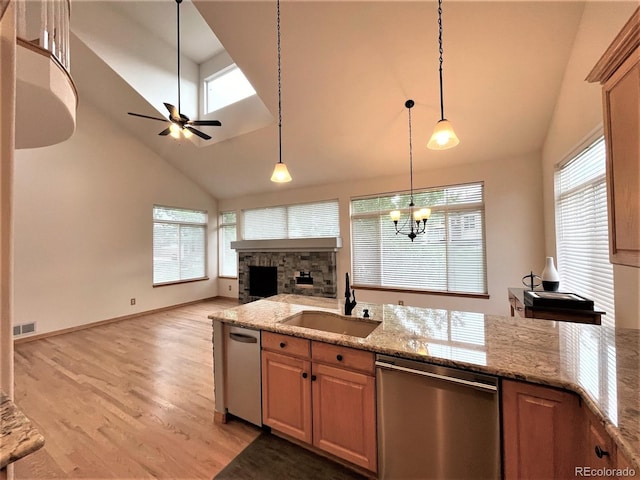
(198, 133)
(164, 132)
(173, 111)
(147, 116)
(209, 123)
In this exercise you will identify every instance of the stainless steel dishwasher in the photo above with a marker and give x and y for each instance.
(436, 422)
(243, 392)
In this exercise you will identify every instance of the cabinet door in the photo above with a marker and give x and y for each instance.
(344, 414)
(598, 449)
(541, 434)
(621, 96)
(286, 394)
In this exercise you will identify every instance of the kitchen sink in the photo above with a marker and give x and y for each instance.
(331, 322)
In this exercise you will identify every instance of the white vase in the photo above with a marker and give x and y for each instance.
(550, 276)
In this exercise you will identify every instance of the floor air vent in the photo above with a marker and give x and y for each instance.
(24, 329)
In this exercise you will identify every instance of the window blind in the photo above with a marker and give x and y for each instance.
(308, 220)
(228, 258)
(179, 244)
(582, 228)
(450, 257)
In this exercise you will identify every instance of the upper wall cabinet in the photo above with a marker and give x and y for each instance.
(618, 70)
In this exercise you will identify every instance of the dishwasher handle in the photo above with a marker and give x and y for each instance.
(240, 337)
(446, 378)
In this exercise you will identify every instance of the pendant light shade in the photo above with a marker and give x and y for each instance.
(280, 173)
(443, 136)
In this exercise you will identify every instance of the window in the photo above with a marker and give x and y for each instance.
(228, 258)
(307, 220)
(226, 87)
(582, 232)
(450, 257)
(179, 245)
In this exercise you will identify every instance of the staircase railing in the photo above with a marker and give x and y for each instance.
(45, 23)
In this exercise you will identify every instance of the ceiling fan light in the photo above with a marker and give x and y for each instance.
(174, 130)
(187, 133)
(280, 173)
(443, 136)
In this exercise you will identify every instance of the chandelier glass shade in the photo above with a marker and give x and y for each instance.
(443, 136)
(416, 223)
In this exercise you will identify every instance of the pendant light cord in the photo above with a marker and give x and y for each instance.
(178, 30)
(440, 50)
(279, 86)
(411, 204)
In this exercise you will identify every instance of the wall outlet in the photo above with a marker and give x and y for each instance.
(229, 287)
(133, 301)
(400, 302)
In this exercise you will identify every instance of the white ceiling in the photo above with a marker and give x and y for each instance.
(347, 69)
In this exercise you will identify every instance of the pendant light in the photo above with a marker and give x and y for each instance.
(280, 172)
(420, 216)
(443, 136)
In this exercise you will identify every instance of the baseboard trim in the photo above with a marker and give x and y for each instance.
(40, 336)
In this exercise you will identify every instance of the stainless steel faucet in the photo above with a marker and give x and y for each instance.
(349, 304)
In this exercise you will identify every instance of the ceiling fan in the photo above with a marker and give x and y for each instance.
(180, 123)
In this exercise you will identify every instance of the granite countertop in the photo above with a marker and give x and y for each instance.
(601, 364)
(19, 437)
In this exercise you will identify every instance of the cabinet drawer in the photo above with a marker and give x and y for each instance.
(344, 357)
(285, 344)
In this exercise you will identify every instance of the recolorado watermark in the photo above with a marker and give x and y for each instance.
(605, 472)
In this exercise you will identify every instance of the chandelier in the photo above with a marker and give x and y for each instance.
(443, 136)
(280, 172)
(417, 220)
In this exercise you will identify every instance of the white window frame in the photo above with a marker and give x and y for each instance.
(362, 279)
(582, 231)
(227, 101)
(180, 224)
(225, 249)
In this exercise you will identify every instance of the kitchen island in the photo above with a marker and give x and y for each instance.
(599, 363)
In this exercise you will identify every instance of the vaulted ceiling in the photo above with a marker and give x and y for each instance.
(347, 69)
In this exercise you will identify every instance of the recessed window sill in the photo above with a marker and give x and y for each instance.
(423, 292)
(180, 281)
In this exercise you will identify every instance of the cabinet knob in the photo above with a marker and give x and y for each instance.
(339, 357)
(313, 378)
(601, 453)
(305, 374)
(282, 344)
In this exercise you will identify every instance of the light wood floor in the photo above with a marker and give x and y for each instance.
(131, 399)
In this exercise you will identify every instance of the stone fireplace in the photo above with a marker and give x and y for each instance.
(303, 266)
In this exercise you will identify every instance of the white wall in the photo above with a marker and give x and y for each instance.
(513, 213)
(83, 227)
(577, 115)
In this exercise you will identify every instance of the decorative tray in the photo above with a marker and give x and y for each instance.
(557, 300)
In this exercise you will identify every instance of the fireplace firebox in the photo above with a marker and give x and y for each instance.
(263, 281)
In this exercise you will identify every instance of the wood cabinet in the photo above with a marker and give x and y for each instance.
(539, 431)
(286, 394)
(618, 70)
(552, 433)
(321, 394)
(344, 407)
